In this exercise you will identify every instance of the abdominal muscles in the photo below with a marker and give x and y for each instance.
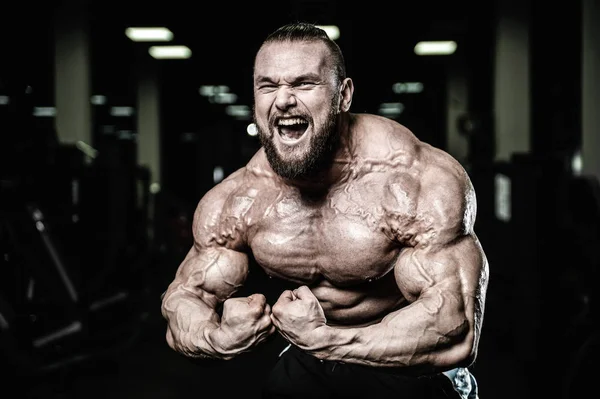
(346, 261)
(362, 304)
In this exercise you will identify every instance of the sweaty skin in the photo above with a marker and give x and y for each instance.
(381, 246)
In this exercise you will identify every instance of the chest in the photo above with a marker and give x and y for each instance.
(341, 238)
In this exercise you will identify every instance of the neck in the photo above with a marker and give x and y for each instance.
(337, 169)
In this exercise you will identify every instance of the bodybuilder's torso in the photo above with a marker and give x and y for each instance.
(342, 243)
(337, 244)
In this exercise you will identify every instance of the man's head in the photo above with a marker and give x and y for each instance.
(300, 89)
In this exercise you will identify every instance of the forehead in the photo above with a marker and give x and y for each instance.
(292, 58)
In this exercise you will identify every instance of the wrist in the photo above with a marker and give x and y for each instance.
(214, 343)
(334, 343)
(322, 342)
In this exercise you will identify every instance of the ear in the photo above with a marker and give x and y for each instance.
(346, 91)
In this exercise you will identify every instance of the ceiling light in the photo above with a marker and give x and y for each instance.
(332, 31)
(149, 34)
(391, 110)
(223, 98)
(121, 111)
(170, 52)
(435, 48)
(252, 130)
(407, 87)
(212, 90)
(44, 111)
(239, 111)
(98, 99)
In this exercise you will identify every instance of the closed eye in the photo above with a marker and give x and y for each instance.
(305, 84)
(267, 87)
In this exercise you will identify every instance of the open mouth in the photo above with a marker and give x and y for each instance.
(292, 129)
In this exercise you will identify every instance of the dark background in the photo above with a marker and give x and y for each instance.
(119, 245)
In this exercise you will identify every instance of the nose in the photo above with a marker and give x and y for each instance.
(285, 98)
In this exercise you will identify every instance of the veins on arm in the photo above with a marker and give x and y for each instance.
(212, 271)
(441, 270)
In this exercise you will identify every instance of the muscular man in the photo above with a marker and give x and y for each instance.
(373, 226)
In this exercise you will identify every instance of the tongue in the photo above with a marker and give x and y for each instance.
(292, 132)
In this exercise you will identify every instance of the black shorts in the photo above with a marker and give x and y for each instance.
(300, 375)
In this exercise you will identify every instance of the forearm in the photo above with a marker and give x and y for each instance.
(431, 334)
(192, 324)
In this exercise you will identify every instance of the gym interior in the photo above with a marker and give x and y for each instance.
(106, 146)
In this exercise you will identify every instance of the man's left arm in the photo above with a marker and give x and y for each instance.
(443, 272)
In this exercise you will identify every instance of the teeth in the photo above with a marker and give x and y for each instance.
(290, 122)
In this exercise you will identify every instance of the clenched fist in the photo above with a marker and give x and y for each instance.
(245, 323)
(297, 315)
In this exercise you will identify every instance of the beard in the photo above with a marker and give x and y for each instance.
(319, 156)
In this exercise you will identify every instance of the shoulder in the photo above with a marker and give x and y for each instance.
(212, 204)
(447, 192)
(243, 181)
(223, 213)
(378, 137)
(429, 196)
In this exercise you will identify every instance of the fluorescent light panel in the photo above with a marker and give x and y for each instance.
(44, 111)
(238, 111)
(407, 87)
(98, 99)
(121, 111)
(332, 31)
(391, 109)
(223, 98)
(149, 34)
(435, 48)
(212, 90)
(170, 52)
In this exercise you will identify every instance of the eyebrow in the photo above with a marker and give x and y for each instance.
(299, 78)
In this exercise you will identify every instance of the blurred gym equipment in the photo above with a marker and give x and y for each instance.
(546, 220)
(75, 256)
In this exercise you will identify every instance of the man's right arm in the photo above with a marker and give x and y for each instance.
(213, 270)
